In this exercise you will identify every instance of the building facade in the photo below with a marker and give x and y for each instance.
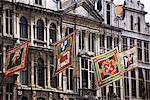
(97, 30)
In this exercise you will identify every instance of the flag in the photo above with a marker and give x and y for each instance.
(107, 67)
(63, 53)
(16, 59)
(119, 7)
(129, 59)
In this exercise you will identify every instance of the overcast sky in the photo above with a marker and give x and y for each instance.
(147, 9)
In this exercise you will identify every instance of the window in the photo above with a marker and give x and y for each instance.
(126, 81)
(23, 27)
(9, 22)
(40, 98)
(69, 74)
(102, 44)
(68, 31)
(81, 39)
(40, 72)
(40, 30)
(53, 79)
(99, 5)
(38, 2)
(118, 88)
(53, 33)
(131, 22)
(9, 91)
(131, 42)
(24, 76)
(91, 40)
(139, 24)
(116, 42)
(109, 43)
(146, 51)
(103, 91)
(133, 83)
(139, 44)
(125, 46)
(24, 98)
(87, 74)
(147, 73)
(108, 14)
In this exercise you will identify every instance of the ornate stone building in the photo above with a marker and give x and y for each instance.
(97, 30)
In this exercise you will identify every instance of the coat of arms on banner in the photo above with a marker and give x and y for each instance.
(129, 59)
(16, 59)
(63, 53)
(107, 67)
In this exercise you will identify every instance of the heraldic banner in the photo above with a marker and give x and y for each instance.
(107, 67)
(63, 53)
(16, 59)
(129, 59)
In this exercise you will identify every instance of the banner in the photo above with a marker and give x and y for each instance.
(63, 53)
(16, 59)
(107, 67)
(129, 59)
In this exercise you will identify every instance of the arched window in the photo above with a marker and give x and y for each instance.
(40, 98)
(131, 22)
(99, 5)
(23, 27)
(53, 33)
(24, 98)
(139, 24)
(108, 14)
(40, 30)
(40, 72)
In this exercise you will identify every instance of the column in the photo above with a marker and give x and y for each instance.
(4, 22)
(16, 24)
(45, 75)
(122, 89)
(86, 40)
(128, 43)
(32, 29)
(32, 70)
(48, 33)
(137, 82)
(48, 71)
(105, 42)
(64, 81)
(130, 86)
(4, 82)
(149, 50)
(143, 56)
(97, 41)
(59, 33)
(63, 31)
(107, 90)
(60, 81)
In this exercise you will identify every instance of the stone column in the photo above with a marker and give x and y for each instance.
(63, 31)
(60, 81)
(64, 81)
(143, 58)
(130, 86)
(86, 40)
(32, 30)
(48, 33)
(59, 33)
(48, 71)
(4, 23)
(32, 70)
(122, 89)
(96, 43)
(137, 82)
(149, 50)
(107, 90)
(4, 82)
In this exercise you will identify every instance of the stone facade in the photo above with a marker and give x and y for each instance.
(97, 30)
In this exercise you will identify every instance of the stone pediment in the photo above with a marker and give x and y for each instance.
(83, 8)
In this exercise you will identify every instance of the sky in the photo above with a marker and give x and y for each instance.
(147, 9)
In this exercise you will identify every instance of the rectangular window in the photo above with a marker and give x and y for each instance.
(109, 43)
(9, 22)
(87, 73)
(102, 43)
(126, 81)
(91, 40)
(125, 46)
(131, 42)
(146, 51)
(116, 42)
(103, 91)
(81, 39)
(39, 2)
(53, 79)
(69, 74)
(68, 31)
(139, 44)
